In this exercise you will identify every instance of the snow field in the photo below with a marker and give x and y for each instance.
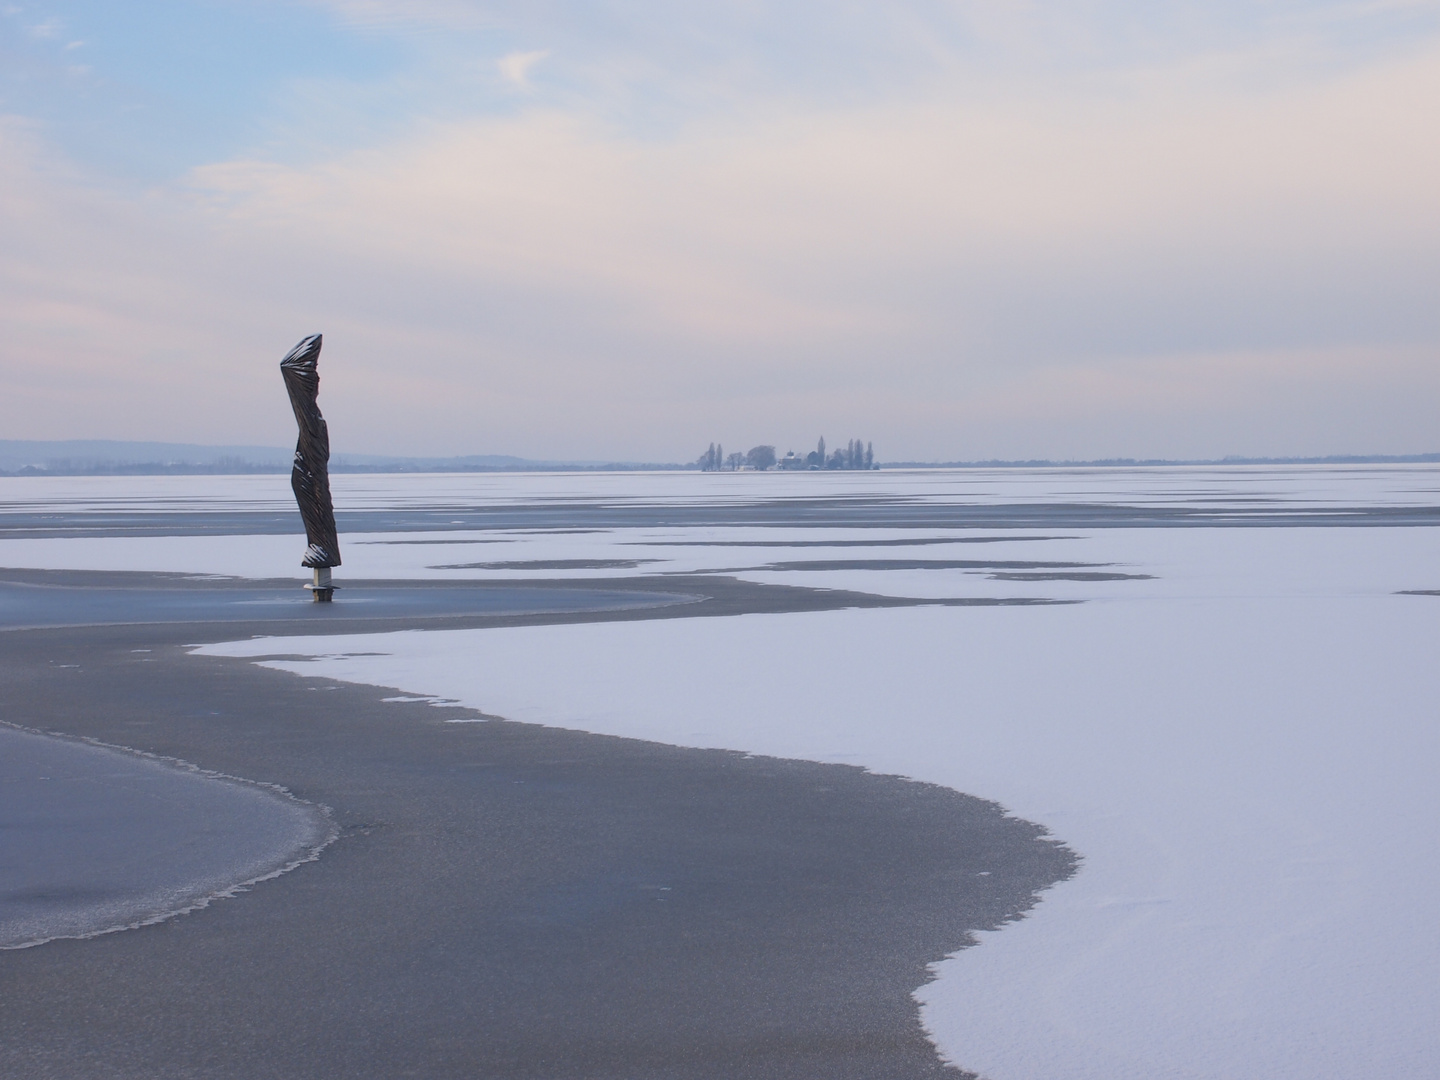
(1243, 756)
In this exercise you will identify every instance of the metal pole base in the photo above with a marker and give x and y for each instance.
(321, 588)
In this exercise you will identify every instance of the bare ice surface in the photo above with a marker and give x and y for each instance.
(95, 839)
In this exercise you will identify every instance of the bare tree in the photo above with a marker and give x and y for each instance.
(760, 457)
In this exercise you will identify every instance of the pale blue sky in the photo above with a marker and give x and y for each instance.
(149, 89)
(625, 229)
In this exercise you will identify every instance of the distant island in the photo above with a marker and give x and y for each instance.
(854, 455)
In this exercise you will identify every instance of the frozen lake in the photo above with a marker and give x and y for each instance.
(1229, 714)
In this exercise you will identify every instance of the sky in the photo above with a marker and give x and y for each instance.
(624, 229)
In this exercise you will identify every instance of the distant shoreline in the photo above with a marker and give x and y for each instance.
(1101, 463)
(121, 458)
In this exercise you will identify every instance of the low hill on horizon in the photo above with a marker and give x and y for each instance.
(81, 457)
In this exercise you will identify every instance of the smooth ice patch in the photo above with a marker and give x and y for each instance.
(98, 839)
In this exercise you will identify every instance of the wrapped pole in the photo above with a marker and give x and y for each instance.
(310, 476)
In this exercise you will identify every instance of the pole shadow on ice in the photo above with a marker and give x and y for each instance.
(310, 476)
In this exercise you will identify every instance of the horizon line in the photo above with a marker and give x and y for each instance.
(77, 463)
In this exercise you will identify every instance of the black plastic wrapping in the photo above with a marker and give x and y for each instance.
(310, 477)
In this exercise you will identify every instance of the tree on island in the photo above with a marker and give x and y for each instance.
(854, 455)
(816, 458)
(760, 457)
(713, 459)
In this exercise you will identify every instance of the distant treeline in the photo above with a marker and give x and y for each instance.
(853, 455)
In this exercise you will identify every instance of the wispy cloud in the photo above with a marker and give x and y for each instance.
(516, 66)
